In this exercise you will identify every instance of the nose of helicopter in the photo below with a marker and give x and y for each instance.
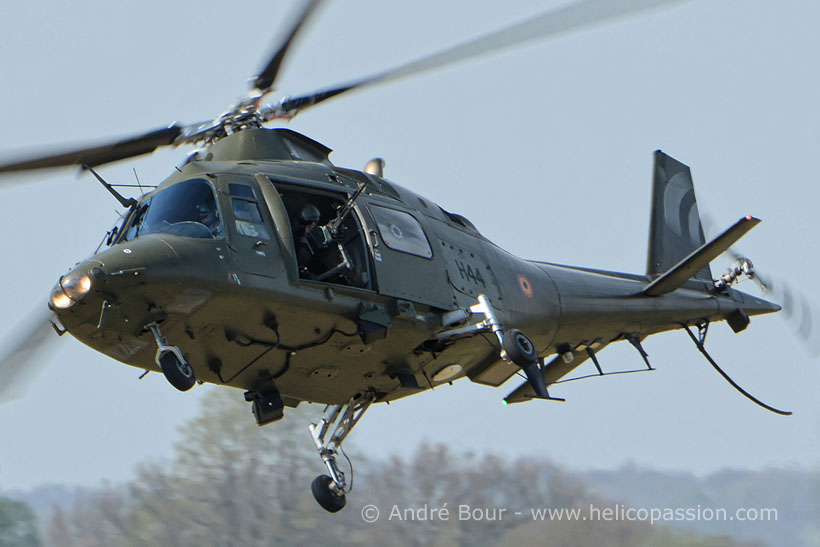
(78, 295)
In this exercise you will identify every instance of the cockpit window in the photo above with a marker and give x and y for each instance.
(186, 209)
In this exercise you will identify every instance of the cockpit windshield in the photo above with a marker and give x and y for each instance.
(185, 209)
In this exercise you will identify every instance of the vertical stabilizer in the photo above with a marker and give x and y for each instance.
(674, 227)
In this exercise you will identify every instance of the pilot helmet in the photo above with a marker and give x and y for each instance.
(309, 213)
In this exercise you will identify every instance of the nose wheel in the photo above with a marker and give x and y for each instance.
(176, 369)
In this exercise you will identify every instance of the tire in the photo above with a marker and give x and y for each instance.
(519, 348)
(327, 498)
(179, 374)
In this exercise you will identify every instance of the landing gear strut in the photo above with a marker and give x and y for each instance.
(329, 490)
(176, 369)
(516, 347)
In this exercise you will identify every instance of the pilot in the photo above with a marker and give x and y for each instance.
(207, 216)
(307, 219)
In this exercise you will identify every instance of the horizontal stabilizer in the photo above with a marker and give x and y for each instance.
(700, 257)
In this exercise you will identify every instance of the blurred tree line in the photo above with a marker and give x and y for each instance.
(232, 483)
(18, 525)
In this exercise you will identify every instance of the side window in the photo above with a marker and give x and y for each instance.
(400, 231)
(246, 212)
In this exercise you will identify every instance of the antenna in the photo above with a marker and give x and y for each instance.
(136, 176)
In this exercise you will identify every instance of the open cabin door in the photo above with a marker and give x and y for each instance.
(312, 251)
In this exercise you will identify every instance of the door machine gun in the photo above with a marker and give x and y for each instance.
(330, 234)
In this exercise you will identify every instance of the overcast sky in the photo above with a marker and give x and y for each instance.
(547, 149)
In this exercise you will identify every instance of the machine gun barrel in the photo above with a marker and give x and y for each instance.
(343, 211)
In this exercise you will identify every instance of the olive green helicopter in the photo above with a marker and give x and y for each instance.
(261, 265)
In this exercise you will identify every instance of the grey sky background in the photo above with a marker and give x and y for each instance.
(546, 148)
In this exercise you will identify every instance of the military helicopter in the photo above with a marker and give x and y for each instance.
(396, 294)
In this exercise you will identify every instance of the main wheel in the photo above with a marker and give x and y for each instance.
(178, 373)
(519, 348)
(326, 496)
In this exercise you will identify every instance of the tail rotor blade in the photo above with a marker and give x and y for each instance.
(799, 312)
(797, 309)
(805, 328)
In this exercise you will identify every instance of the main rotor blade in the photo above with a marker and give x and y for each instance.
(97, 155)
(572, 17)
(25, 354)
(265, 80)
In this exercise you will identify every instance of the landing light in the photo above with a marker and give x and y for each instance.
(70, 290)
